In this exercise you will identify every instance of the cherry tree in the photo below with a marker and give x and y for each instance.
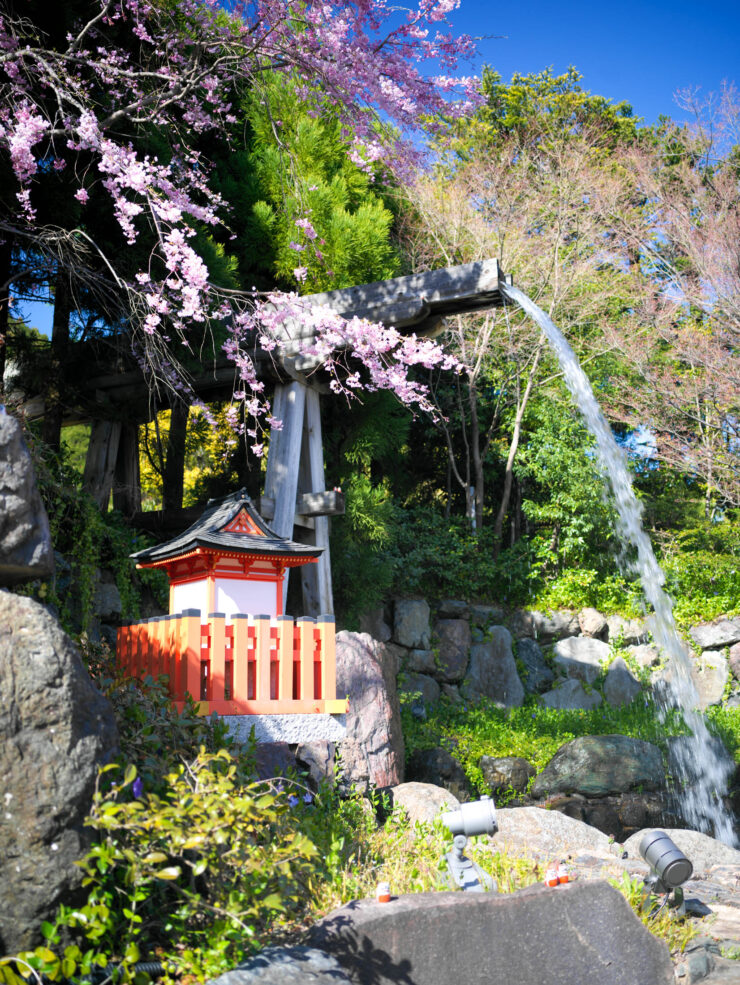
(78, 98)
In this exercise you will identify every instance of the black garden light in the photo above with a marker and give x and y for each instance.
(669, 868)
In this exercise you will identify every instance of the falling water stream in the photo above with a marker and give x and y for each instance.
(700, 762)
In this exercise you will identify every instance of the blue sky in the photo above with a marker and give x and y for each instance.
(638, 52)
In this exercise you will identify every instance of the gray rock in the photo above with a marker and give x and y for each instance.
(373, 623)
(710, 675)
(108, 604)
(25, 540)
(372, 752)
(701, 850)
(452, 693)
(274, 759)
(555, 835)
(411, 623)
(569, 695)
(581, 657)
(597, 765)
(318, 758)
(486, 615)
(734, 661)
(583, 932)
(645, 654)
(453, 609)
(56, 730)
(424, 688)
(506, 772)
(630, 632)
(714, 635)
(422, 802)
(492, 673)
(280, 965)
(453, 645)
(592, 623)
(439, 767)
(544, 626)
(420, 662)
(537, 676)
(620, 686)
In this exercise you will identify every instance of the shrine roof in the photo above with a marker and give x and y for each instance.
(250, 535)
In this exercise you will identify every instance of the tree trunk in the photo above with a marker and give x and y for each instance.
(174, 467)
(55, 391)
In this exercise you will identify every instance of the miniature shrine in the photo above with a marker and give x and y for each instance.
(227, 641)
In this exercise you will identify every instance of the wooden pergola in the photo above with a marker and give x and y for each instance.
(295, 499)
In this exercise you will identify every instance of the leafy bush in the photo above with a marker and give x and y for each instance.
(703, 583)
(579, 587)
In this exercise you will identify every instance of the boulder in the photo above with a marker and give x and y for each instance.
(581, 657)
(620, 686)
(628, 632)
(550, 833)
(422, 802)
(318, 759)
(453, 636)
(419, 661)
(734, 661)
(492, 673)
(424, 689)
(25, 540)
(543, 626)
(710, 675)
(439, 767)
(503, 773)
(274, 759)
(582, 932)
(373, 623)
(536, 675)
(372, 751)
(452, 693)
(411, 623)
(56, 731)
(701, 850)
(715, 635)
(645, 654)
(108, 604)
(453, 609)
(280, 965)
(570, 695)
(592, 623)
(597, 765)
(486, 615)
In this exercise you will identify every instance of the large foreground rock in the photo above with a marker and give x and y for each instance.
(281, 965)
(597, 765)
(372, 752)
(25, 541)
(578, 934)
(56, 729)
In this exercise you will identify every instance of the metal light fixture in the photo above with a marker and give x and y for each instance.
(475, 818)
(669, 868)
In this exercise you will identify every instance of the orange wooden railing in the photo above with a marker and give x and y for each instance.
(254, 665)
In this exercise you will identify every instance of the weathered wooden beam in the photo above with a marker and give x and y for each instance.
(318, 595)
(329, 503)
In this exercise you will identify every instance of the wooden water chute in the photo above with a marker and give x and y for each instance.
(227, 641)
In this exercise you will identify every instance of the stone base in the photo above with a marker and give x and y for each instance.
(293, 729)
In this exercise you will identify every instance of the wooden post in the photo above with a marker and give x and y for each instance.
(240, 658)
(217, 621)
(126, 476)
(326, 628)
(315, 578)
(262, 657)
(283, 458)
(100, 462)
(306, 626)
(190, 653)
(285, 657)
(172, 635)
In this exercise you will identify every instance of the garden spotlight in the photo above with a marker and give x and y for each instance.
(475, 818)
(669, 867)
